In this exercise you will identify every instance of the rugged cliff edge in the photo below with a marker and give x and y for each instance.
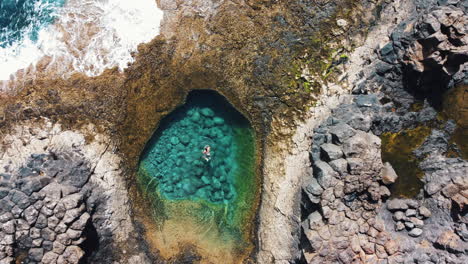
(328, 86)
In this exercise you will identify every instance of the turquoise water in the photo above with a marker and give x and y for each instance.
(21, 19)
(174, 157)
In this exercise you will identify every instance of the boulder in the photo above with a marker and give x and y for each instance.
(58, 247)
(374, 192)
(412, 203)
(20, 199)
(46, 211)
(417, 222)
(35, 233)
(339, 165)
(324, 174)
(331, 152)
(379, 224)
(37, 242)
(41, 221)
(461, 200)
(450, 241)
(356, 166)
(5, 206)
(432, 188)
(314, 239)
(7, 240)
(424, 212)
(409, 224)
(49, 258)
(389, 175)
(73, 234)
(81, 222)
(63, 239)
(36, 254)
(397, 204)
(34, 184)
(399, 226)
(30, 215)
(4, 217)
(410, 212)
(384, 191)
(4, 192)
(72, 201)
(368, 247)
(346, 256)
(73, 254)
(8, 227)
(450, 190)
(341, 132)
(391, 246)
(48, 234)
(415, 232)
(72, 214)
(52, 222)
(362, 145)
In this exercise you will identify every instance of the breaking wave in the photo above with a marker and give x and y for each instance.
(63, 37)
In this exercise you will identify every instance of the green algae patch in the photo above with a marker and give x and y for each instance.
(397, 148)
(198, 170)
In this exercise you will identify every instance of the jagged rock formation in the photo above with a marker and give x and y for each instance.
(354, 215)
(426, 54)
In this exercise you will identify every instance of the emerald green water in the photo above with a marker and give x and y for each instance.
(218, 192)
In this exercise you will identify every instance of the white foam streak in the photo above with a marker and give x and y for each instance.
(88, 36)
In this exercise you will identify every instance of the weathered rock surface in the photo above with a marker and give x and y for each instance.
(57, 195)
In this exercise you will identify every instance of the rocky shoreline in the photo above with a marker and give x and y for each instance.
(69, 148)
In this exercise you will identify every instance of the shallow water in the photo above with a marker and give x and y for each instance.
(215, 196)
(397, 148)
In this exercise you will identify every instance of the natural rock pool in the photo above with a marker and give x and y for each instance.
(198, 170)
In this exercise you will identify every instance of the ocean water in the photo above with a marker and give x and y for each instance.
(25, 18)
(68, 36)
(215, 196)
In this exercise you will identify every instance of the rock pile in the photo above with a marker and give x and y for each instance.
(408, 215)
(43, 210)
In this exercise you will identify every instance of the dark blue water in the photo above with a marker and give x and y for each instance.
(21, 19)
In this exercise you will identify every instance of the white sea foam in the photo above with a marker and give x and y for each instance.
(88, 36)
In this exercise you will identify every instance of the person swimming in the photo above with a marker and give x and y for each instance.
(206, 153)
